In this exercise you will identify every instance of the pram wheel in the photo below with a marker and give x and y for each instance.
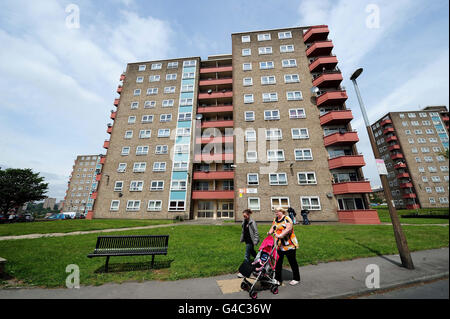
(274, 290)
(253, 294)
(244, 286)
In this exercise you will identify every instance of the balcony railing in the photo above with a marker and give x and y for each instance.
(213, 194)
(219, 108)
(220, 81)
(346, 161)
(400, 166)
(320, 48)
(385, 122)
(388, 130)
(213, 175)
(340, 138)
(359, 216)
(337, 97)
(113, 115)
(336, 117)
(212, 124)
(396, 156)
(106, 144)
(325, 62)
(391, 138)
(227, 68)
(328, 79)
(215, 95)
(116, 102)
(212, 140)
(316, 33)
(357, 187)
(406, 185)
(218, 157)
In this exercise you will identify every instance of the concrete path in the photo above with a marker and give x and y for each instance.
(327, 280)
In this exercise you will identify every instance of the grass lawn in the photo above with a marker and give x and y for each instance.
(67, 226)
(383, 213)
(200, 251)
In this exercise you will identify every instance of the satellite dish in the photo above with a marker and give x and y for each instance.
(209, 91)
(199, 116)
(315, 90)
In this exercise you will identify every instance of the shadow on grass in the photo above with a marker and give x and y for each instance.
(378, 253)
(136, 266)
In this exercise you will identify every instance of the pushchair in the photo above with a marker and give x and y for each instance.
(263, 268)
(304, 213)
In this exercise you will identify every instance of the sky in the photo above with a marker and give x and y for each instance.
(58, 82)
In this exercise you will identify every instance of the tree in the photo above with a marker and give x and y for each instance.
(445, 153)
(19, 186)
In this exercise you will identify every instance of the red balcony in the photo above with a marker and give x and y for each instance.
(109, 130)
(445, 118)
(215, 95)
(400, 165)
(388, 130)
(212, 194)
(411, 195)
(328, 79)
(327, 62)
(113, 115)
(385, 122)
(208, 124)
(122, 77)
(316, 33)
(216, 82)
(215, 109)
(216, 70)
(217, 140)
(103, 160)
(352, 188)
(413, 206)
(116, 102)
(119, 89)
(396, 156)
(98, 177)
(346, 161)
(332, 98)
(320, 48)
(213, 175)
(362, 216)
(106, 144)
(341, 138)
(220, 157)
(406, 185)
(402, 175)
(394, 147)
(392, 138)
(336, 117)
(94, 195)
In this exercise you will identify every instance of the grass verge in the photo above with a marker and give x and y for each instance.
(383, 213)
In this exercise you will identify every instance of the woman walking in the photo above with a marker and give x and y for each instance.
(287, 244)
(249, 235)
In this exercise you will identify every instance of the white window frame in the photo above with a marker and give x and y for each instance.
(133, 207)
(310, 206)
(255, 207)
(306, 174)
(278, 182)
(113, 207)
(154, 205)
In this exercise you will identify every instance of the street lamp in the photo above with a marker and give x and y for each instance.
(400, 238)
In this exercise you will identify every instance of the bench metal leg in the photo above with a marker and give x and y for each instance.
(106, 264)
(153, 260)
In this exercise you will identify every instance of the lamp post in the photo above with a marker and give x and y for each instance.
(400, 238)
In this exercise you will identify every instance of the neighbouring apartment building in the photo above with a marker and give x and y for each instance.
(413, 145)
(209, 138)
(49, 202)
(82, 183)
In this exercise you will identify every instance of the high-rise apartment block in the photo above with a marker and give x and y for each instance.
(82, 183)
(413, 145)
(209, 138)
(49, 202)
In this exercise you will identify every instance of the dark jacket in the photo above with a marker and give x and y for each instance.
(253, 230)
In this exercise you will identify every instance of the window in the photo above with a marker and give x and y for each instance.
(154, 205)
(140, 79)
(142, 68)
(145, 133)
(408, 132)
(172, 65)
(249, 116)
(180, 166)
(275, 155)
(181, 148)
(178, 185)
(247, 82)
(136, 186)
(291, 78)
(139, 167)
(429, 190)
(248, 98)
(432, 200)
(137, 92)
(266, 80)
(165, 117)
(421, 140)
(125, 150)
(443, 200)
(294, 96)
(171, 77)
(122, 167)
(284, 35)
(264, 37)
(297, 114)
(152, 91)
(186, 102)
(252, 179)
(271, 115)
(131, 119)
(188, 75)
(279, 202)
(405, 123)
(418, 132)
(253, 203)
(161, 149)
(245, 38)
(149, 104)
(246, 66)
(414, 150)
(182, 131)
(299, 133)
(251, 156)
(435, 179)
(277, 179)
(411, 115)
(147, 118)
(133, 205)
(169, 89)
(303, 154)
(439, 189)
(156, 66)
(156, 186)
(266, 65)
(187, 88)
(141, 150)
(246, 52)
(432, 169)
(429, 131)
(115, 204)
(270, 97)
(184, 117)
(274, 134)
(287, 48)
(307, 178)
(250, 135)
(289, 63)
(159, 166)
(265, 50)
(118, 186)
(164, 132)
(310, 203)
(177, 205)
(154, 78)
(128, 134)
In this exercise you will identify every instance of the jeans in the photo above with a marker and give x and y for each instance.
(290, 254)
(249, 250)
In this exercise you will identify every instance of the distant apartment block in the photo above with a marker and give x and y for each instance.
(412, 144)
(209, 138)
(49, 202)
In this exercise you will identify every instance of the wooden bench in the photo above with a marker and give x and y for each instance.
(142, 245)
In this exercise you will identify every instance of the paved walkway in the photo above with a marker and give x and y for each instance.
(326, 280)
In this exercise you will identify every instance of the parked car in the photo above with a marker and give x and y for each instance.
(56, 216)
(3, 219)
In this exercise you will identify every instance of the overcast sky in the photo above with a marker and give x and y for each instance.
(57, 83)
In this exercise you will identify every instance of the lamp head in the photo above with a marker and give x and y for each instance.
(356, 74)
